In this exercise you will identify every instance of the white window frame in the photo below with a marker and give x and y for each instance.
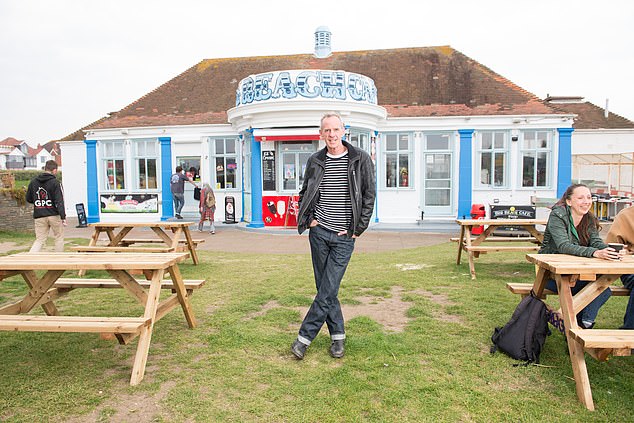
(408, 151)
(535, 151)
(495, 152)
(114, 156)
(235, 155)
(144, 156)
(299, 170)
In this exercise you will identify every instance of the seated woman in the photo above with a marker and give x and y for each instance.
(573, 229)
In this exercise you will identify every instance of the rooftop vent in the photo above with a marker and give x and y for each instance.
(322, 42)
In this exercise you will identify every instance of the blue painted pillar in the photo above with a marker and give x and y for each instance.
(564, 166)
(465, 177)
(256, 183)
(166, 173)
(92, 185)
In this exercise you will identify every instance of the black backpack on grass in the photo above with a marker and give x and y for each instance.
(523, 337)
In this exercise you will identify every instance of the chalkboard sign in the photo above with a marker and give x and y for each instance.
(81, 215)
(268, 170)
(230, 210)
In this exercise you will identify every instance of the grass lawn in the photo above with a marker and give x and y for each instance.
(236, 365)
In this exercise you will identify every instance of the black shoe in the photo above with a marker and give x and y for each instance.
(582, 325)
(336, 348)
(178, 216)
(298, 349)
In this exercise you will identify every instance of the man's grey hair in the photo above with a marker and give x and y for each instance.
(329, 115)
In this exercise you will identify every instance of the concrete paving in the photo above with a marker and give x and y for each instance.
(238, 238)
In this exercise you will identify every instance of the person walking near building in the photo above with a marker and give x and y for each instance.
(335, 203)
(46, 195)
(177, 186)
(207, 208)
(622, 231)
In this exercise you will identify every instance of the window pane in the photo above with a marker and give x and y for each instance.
(542, 140)
(303, 159)
(528, 170)
(231, 146)
(119, 174)
(220, 172)
(542, 160)
(289, 171)
(390, 170)
(231, 172)
(437, 142)
(499, 140)
(151, 174)
(499, 170)
(438, 183)
(403, 142)
(529, 140)
(487, 140)
(437, 197)
(118, 149)
(109, 168)
(390, 143)
(220, 146)
(404, 170)
(485, 169)
(142, 175)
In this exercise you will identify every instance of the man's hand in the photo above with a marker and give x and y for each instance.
(64, 222)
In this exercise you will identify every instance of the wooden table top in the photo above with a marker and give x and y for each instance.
(163, 224)
(90, 261)
(564, 264)
(501, 222)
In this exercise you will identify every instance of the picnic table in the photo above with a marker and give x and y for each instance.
(49, 286)
(566, 270)
(171, 235)
(474, 246)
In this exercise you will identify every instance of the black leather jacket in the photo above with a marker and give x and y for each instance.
(362, 189)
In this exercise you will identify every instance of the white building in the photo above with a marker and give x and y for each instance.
(445, 133)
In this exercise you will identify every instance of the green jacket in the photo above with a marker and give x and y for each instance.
(559, 238)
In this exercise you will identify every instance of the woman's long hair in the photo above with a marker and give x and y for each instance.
(587, 220)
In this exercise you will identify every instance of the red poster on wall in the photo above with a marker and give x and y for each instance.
(280, 210)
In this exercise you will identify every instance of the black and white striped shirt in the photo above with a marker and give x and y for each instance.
(334, 209)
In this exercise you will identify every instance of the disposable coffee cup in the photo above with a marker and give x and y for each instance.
(616, 246)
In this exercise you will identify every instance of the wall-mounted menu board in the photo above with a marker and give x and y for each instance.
(268, 170)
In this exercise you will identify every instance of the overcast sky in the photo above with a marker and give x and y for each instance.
(66, 63)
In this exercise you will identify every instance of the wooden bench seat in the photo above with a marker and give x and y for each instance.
(604, 338)
(121, 249)
(28, 323)
(503, 239)
(73, 283)
(130, 241)
(525, 289)
(485, 249)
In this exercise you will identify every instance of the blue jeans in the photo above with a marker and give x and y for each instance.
(628, 319)
(589, 313)
(179, 202)
(331, 254)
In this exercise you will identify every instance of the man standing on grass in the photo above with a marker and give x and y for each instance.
(336, 202)
(46, 195)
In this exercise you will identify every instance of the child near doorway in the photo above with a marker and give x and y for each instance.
(207, 208)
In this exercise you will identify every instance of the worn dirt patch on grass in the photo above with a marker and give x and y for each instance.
(5, 247)
(390, 310)
(138, 407)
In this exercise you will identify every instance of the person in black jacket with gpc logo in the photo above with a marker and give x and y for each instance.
(46, 195)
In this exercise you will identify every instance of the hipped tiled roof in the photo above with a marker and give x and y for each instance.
(591, 116)
(426, 81)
